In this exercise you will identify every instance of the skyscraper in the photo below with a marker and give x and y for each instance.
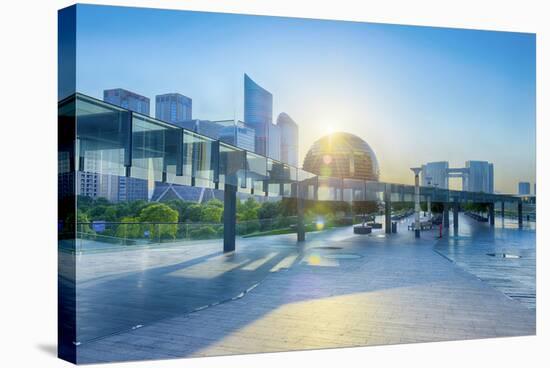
(274, 142)
(127, 99)
(435, 174)
(173, 107)
(524, 188)
(289, 139)
(479, 177)
(258, 113)
(238, 135)
(112, 187)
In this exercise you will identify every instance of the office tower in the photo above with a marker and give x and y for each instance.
(524, 188)
(479, 177)
(127, 100)
(173, 107)
(435, 174)
(237, 134)
(208, 128)
(258, 113)
(116, 188)
(289, 139)
(274, 142)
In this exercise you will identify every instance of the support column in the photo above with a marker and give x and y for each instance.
(429, 207)
(455, 216)
(416, 171)
(229, 217)
(492, 214)
(502, 212)
(446, 215)
(520, 214)
(300, 226)
(387, 211)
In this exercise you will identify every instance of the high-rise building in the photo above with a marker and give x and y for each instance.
(258, 113)
(289, 139)
(274, 142)
(238, 135)
(479, 177)
(115, 188)
(208, 128)
(173, 107)
(524, 188)
(435, 174)
(127, 99)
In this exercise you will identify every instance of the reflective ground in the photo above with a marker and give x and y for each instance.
(336, 290)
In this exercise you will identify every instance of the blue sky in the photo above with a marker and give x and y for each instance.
(415, 94)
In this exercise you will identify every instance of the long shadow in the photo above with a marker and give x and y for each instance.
(168, 294)
(111, 304)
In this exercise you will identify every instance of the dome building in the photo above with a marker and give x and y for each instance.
(342, 155)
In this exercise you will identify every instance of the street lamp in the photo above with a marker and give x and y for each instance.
(416, 171)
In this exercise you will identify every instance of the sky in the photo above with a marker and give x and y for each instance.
(414, 94)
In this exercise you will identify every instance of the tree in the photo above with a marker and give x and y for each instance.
(268, 210)
(160, 213)
(211, 214)
(130, 229)
(248, 210)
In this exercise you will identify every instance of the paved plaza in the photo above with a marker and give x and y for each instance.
(336, 290)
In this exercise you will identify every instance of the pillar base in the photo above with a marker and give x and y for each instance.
(417, 233)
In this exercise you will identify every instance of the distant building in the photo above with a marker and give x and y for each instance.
(342, 155)
(274, 142)
(114, 188)
(289, 139)
(236, 133)
(127, 100)
(435, 174)
(479, 177)
(208, 128)
(173, 107)
(524, 188)
(258, 113)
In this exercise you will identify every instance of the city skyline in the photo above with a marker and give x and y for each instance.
(437, 94)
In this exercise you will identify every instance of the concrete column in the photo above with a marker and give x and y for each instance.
(455, 215)
(492, 214)
(300, 226)
(387, 212)
(520, 214)
(416, 171)
(229, 217)
(429, 207)
(446, 215)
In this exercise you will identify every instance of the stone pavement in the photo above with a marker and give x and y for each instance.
(338, 290)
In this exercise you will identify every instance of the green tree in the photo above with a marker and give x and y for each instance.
(194, 212)
(160, 212)
(211, 214)
(248, 210)
(131, 229)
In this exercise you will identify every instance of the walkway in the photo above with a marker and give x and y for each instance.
(339, 290)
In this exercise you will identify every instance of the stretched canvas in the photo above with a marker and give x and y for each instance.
(233, 184)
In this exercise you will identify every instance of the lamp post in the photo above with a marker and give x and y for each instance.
(416, 171)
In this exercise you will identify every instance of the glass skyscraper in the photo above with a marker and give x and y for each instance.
(238, 135)
(435, 174)
(479, 177)
(289, 139)
(258, 113)
(127, 99)
(524, 188)
(173, 107)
